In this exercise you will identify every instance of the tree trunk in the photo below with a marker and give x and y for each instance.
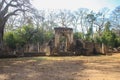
(1, 39)
(38, 47)
(2, 25)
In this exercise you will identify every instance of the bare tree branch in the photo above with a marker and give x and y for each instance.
(5, 10)
(14, 13)
(1, 4)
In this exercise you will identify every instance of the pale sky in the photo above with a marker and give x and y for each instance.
(75, 4)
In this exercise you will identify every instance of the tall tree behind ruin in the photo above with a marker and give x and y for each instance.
(51, 20)
(9, 8)
(79, 19)
(64, 18)
(101, 19)
(115, 20)
(91, 19)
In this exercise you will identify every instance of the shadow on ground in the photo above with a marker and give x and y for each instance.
(41, 69)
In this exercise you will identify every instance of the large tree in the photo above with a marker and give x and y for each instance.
(115, 17)
(90, 18)
(64, 18)
(79, 19)
(115, 20)
(101, 18)
(9, 8)
(108, 37)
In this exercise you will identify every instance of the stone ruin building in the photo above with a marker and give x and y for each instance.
(64, 44)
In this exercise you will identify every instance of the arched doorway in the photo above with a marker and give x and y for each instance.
(63, 38)
(63, 43)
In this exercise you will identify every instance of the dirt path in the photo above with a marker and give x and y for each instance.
(61, 68)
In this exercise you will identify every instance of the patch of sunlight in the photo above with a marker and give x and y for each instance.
(33, 74)
(4, 77)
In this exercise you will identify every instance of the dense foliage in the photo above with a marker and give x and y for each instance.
(26, 35)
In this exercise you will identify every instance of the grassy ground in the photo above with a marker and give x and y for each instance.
(61, 68)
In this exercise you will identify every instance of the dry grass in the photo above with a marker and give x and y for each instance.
(61, 68)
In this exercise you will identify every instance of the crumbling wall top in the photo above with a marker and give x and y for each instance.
(62, 28)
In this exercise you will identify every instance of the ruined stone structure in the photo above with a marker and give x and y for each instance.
(63, 38)
(63, 44)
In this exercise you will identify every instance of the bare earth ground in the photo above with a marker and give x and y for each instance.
(61, 68)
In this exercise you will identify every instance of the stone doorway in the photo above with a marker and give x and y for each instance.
(63, 38)
(63, 43)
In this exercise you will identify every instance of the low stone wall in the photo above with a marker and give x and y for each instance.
(35, 48)
(98, 48)
(89, 46)
(8, 54)
(93, 48)
(79, 47)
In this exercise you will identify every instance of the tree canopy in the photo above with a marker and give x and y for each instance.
(9, 8)
(32, 25)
